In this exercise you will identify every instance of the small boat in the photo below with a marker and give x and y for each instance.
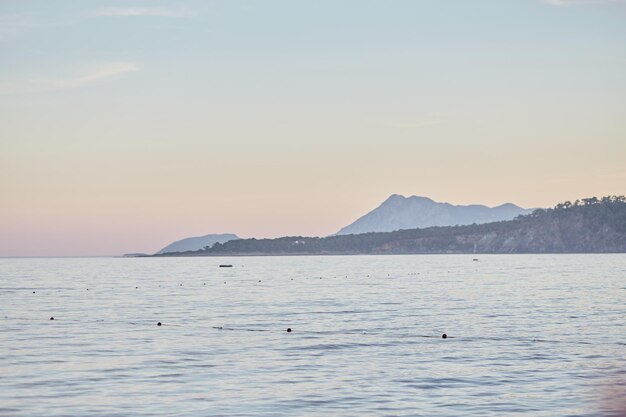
(226, 266)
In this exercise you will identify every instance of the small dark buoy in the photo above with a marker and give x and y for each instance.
(33, 292)
(159, 323)
(444, 336)
(136, 287)
(224, 282)
(51, 318)
(259, 280)
(181, 285)
(288, 329)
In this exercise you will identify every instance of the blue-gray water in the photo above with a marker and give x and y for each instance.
(533, 335)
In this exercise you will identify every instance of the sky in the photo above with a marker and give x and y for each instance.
(125, 125)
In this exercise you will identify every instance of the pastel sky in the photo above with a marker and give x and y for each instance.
(125, 125)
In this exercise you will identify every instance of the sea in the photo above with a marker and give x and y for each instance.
(527, 335)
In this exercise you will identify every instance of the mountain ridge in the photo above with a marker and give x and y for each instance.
(398, 212)
(197, 243)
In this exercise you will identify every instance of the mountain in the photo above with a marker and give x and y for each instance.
(398, 213)
(588, 226)
(197, 243)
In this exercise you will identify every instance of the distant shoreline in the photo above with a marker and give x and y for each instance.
(591, 226)
(241, 255)
(302, 255)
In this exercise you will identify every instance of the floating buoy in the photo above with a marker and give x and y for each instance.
(33, 292)
(444, 336)
(51, 318)
(159, 323)
(288, 329)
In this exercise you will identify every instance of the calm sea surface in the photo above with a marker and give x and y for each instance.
(532, 335)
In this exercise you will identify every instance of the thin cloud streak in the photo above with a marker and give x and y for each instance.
(141, 12)
(11, 24)
(41, 85)
(575, 2)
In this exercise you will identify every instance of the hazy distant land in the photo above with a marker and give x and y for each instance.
(400, 213)
(590, 225)
(395, 213)
(196, 243)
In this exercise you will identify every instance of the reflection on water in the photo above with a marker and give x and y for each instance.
(527, 335)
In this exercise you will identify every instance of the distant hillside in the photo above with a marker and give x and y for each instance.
(197, 243)
(590, 225)
(398, 213)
